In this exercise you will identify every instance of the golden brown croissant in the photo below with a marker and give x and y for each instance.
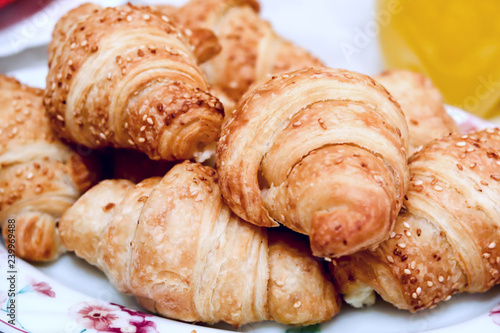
(178, 248)
(128, 78)
(39, 176)
(322, 151)
(422, 104)
(250, 47)
(447, 237)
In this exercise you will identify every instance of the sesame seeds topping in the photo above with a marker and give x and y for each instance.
(297, 124)
(165, 18)
(146, 17)
(418, 182)
(430, 284)
(29, 176)
(472, 165)
(459, 166)
(407, 271)
(60, 117)
(447, 298)
(486, 255)
(440, 278)
(393, 234)
(419, 291)
(390, 259)
(406, 225)
(461, 144)
(150, 121)
(414, 295)
(297, 304)
(129, 18)
(484, 183)
(413, 265)
(108, 76)
(322, 123)
(141, 140)
(84, 43)
(495, 177)
(438, 188)
(492, 245)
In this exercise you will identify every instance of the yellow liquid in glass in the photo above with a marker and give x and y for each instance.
(455, 42)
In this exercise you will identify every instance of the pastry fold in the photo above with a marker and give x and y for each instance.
(250, 48)
(128, 78)
(322, 151)
(446, 239)
(175, 245)
(40, 177)
(422, 104)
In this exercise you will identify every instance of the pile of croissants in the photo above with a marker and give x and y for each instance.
(222, 130)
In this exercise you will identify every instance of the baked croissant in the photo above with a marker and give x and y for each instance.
(447, 237)
(422, 104)
(251, 49)
(322, 151)
(39, 176)
(128, 78)
(177, 247)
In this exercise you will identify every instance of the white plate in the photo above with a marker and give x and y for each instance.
(55, 297)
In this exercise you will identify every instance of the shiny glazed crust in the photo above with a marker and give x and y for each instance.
(39, 176)
(446, 239)
(322, 151)
(178, 248)
(422, 104)
(251, 50)
(126, 77)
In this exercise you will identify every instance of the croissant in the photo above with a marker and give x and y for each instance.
(177, 247)
(446, 239)
(39, 176)
(128, 78)
(422, 104)
(251, 49)
(322, 151)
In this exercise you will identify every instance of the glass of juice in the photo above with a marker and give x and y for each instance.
(456, 43)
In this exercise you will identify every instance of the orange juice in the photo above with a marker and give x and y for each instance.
(456, 43)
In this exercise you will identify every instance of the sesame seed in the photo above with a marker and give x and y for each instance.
(59, 76)
(30, 175)
(141, 140)
(465, 136)
(414, 295)
(429, 283)
(60, 117)
(461, 144)
(129, 18)
(322, 123)
(418, 182)
(419, 291)
(490, 131)
(486, 255)
(478, 188)
(440, 278)
(407, 271)
(297, 123)
(484, 183)
(406, 225)
(470, 150)
(14, 130)
(492, 245)
(413, 265)
(447, 298)
(297, 304)
(102, 136)
(401, 245)
(390, 259)
(130, 141)
(472, 165)
(495, 177)
(393, 234)
(328, 259)
(280, 283)
(84, 43)
(70, 62)
(408, 233)
(109, 76)
(150, 121)
(146, 17)
(164, 18)
(339, 160)
(143, 128)
(438, 188)
(459, 166)
(144, 117)
(72, 46)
